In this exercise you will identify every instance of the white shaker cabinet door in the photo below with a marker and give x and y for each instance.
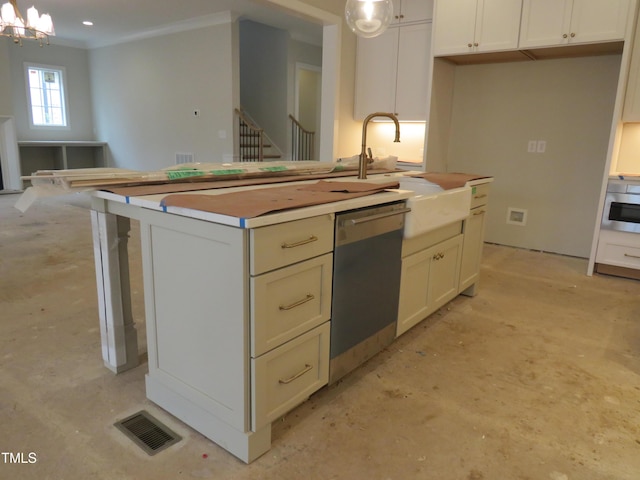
(414, 60)
(598, 21)
(544, 22)
(412, 10)
(497, 25)
(454, 26)
(376, 74)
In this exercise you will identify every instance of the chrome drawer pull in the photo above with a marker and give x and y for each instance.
(631, 256)
(312, 238)
(307, 367)
(306, 299)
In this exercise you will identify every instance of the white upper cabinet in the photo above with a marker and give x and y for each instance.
(392, 73)
(405, 11)
(474, 26)
(548, 23)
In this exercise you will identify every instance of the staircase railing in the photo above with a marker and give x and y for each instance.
(302, 141)
(251, 139)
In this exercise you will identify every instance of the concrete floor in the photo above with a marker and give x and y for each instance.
(537, 377)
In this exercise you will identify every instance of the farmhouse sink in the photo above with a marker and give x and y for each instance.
(432, 207)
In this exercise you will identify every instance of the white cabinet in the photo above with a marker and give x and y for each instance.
(429, 277)
(559, 22)
(475, 26)
(237, 322)
(406, 11)
(392, 72)
(631, 111)
(473, 240)
(618, 249)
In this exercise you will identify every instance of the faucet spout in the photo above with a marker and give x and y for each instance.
(362, 166)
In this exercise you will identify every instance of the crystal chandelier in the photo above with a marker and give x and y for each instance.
(12, 24)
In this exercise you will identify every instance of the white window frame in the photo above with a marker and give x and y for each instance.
(65, 97)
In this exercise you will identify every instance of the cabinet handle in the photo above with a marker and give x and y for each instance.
(469, 45)
(306, 299)
(573, 35)
(564, 35)
(480, 212)
(480, 195)
(378, 216)
(631, 256)
(438, 256)
(401, 16)
(475, 44)
(306, 368)
(312, 238)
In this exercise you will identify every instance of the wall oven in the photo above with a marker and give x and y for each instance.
(622, 207)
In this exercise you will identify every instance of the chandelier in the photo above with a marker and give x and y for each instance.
(12, 24)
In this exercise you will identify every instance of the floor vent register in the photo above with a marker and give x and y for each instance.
(147, 432)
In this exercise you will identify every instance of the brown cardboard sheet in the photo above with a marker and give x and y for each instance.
(253, 203)
(450, 180)
(190, 186)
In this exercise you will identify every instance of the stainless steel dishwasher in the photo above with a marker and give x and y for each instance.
(366, 284)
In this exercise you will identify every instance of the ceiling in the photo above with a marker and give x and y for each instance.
(117, 21)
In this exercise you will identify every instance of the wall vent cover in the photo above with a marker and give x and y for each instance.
(517, 216)
(184, 158)
(147, 432)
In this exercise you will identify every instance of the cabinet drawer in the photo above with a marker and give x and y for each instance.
(286, 376)
(480, 195)
(619, 254)
(289, 301)
(283, 244)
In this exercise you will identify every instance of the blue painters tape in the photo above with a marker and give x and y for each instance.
(127, 199)
(243, 222)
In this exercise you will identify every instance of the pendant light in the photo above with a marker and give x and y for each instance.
(368, 18)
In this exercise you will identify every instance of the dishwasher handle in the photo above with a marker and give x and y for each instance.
(371, 218)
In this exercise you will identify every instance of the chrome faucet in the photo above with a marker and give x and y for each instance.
(362, 167)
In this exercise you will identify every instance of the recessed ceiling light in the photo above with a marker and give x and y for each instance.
(87, 23)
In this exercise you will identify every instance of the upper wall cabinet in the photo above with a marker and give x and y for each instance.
(474, 26)
(548, 23)
(406, 11)
(392, 73)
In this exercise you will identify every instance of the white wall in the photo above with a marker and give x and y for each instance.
(145, 92)
(75, 61)
(6, 106)
(569, 103)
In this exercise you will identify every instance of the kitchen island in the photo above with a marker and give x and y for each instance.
(238, 309)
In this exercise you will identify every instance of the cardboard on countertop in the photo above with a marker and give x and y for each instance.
(450, 180)
(256, 202)
(189, 186)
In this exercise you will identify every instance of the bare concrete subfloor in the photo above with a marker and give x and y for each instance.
(537, 378)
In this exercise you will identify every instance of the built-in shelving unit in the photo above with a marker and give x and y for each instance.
(61, 155)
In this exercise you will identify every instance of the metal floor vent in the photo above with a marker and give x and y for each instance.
(147, 432)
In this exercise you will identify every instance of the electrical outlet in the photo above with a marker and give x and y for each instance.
(541, 147)
(531, 146)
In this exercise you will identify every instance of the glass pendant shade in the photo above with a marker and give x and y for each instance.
(368, 18)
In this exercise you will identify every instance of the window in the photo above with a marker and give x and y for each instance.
(46, 96)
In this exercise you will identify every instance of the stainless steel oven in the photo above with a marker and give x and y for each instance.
(622, 207)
